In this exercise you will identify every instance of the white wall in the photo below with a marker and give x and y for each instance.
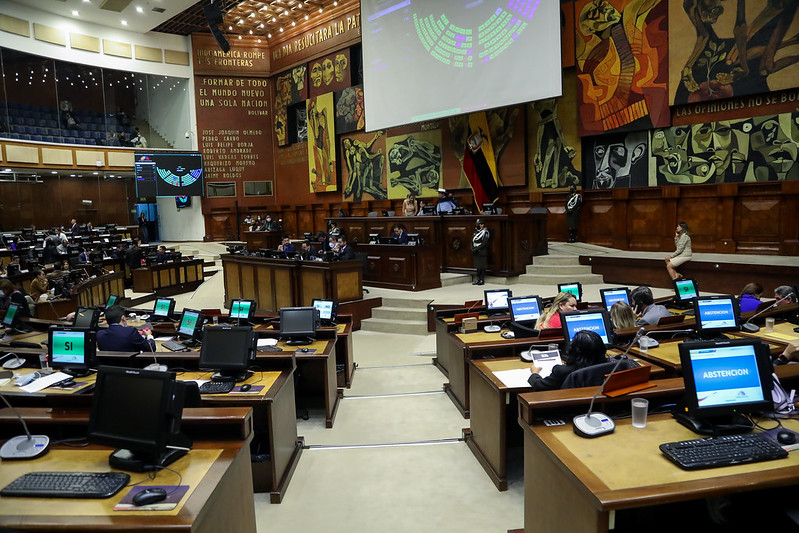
(167, 108)
(185, 224)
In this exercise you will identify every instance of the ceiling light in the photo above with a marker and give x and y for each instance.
(74, 12)
(259, 40)
(140, 9)
(281, 29)
(239, 40)
(268, 35)
(53, 171)
(261, 26)
(306, 17)
(7, 170)
(230, 28)
(293, 23)
(335, 3)
(124, 22)
(320, 9)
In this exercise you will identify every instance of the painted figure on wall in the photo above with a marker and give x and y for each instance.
(553, 157)
(364, 165)
(618, 161)
(621, 65)
(737, 51)
(349, 110)
(321, 156)
(330, 73)
(501, 124)
(316, 74)
(281, 120)
(302, 125)
(774, 147)
(414, 163)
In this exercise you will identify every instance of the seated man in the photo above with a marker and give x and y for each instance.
(784, 295)
(119, 337)
(343, 251)
(161, 255)
(286, 246)
(645, 308)
(399, 234)
(446, 203)
(38, 285)
(83, 257)
(307, 251)
(14, 267)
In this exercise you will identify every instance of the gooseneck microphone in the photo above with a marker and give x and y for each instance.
(12, 364)
(752, 328)
(593, 424)
(25, 446)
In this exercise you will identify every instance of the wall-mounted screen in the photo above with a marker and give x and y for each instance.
(168, 174)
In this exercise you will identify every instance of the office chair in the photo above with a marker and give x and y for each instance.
(594, 375)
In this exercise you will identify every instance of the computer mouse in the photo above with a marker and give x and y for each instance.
(786, 437)
(245, 387)
(303, 349)
(148, 496)
(67, 383)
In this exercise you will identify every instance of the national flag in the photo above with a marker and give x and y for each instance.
(478, 162)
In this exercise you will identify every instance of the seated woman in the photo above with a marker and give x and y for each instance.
(586, 349)
(564, 301)
(750, 297)
(682, 253)
(622, 316)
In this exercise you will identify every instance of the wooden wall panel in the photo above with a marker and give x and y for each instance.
(284, 288)
(265, 295)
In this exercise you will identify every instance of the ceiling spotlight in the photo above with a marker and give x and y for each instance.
(261, 26)
(124, 22)
(74, 12)
(293, 23)
(281, 29)
(250, 32)
(259, 40)
(306, 17)
(139, 9)
(320, 9)
(335, 3)
(268, 35)
(230, 28)
(239, 40)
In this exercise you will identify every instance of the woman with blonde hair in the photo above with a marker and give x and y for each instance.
(622, 316)
(564, 301)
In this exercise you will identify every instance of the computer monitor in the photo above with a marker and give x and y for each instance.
(298, 324)
(374, 238)
(724, 380)
(428, 210)
(490, 209)
(384, 240)
(596, 320)
(191, 324)
(716, 314)
(497, 301)
(139, 412)
(86, 318)
(242, 309)
(327, 310)
(684, 291)
(72, 350)
(11, 319)
(227, 351)
(575, 288)
(414, 239)
(611, 296)
(164, 308)
(525, 308)
(112, 300)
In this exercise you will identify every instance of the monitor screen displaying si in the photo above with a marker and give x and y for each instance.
(112, 300)
(497, 300)
(716, 314)
(71, 350)
(525, 308)
(611, 296)
(575, 288)
(11, 314)
(726, 377)
(190, 322)
(168, 174)
(685, 290)
(242, 309)
(164, 307)
(326, 308)
(596, 320)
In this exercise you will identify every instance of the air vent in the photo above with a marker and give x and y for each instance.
(159, 9)
(115, 5)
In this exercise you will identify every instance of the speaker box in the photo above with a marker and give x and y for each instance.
(214, 17)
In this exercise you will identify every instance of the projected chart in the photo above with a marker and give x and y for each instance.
(169, 174)
(462, 46)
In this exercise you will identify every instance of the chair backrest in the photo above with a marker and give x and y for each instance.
(593, 376)
(373, 214)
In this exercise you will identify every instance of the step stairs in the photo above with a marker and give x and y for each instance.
(399, 315)
(450, 278)
(554, 269)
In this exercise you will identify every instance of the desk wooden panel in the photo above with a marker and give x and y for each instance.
(783, 334)
(319, 373)
(95, 292)
(262, 239)
(83, 384)
(220, 497)
(169, 278)
(579, 482)
(344, 354)
(515, 238)
(276, 283)
(402, 267)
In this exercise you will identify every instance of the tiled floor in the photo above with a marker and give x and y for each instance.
(413, 474)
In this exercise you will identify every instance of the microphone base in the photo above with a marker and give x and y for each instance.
(750, 328)
(22, 447)
(593, 425)
(13, 364)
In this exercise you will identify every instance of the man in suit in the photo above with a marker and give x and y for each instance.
(119, 337)
(161, 255)
(343, 250)
(134, 255)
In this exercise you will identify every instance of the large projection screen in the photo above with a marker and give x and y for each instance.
(427, 59)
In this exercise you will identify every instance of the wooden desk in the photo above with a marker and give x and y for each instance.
(262, 239)
(515, 238)
(82, 385)
(344, 354)
(402, 267)
(276, 283)
(444, 325)
(217, 471)
(574, 484)
(172, 277)
(783, 334)
(95, 292)
(493, 404)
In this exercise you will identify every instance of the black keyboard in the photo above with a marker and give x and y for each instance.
(722, 451)
(174, 346)
(217, 387)
(67, 484)
(270, 348)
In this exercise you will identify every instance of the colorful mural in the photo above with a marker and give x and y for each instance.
(330, 73)
(414, 164)
(622, 65)
(616, 161)
(723, 49)
(321, 143)
(364, 166)
(349, 109)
